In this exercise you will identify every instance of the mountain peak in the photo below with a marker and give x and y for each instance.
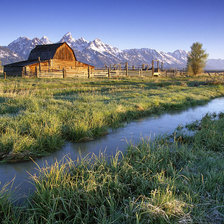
(179, 51)
(68, 34)
(97, 40)
(68, 39)
(83, 40)
(20, 39)
(45, 40)
(80, 44)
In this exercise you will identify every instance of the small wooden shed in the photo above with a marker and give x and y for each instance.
(48, 58)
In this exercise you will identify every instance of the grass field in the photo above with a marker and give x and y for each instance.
(38, 115)
(154, 182)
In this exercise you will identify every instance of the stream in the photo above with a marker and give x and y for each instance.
(118, 139)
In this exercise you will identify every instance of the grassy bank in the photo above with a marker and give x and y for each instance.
(37, 116)
(159, 182)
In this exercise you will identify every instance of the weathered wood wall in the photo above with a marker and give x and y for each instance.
(65, 53)
(50, 66)
(72, 68)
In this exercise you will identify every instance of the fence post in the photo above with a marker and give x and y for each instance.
(126, 67)
(50, 65)
(162, 65)
(152, 67)
(158, 65)
(139, 72)
(5, 75)
(36, 72)
(88, 73)
(39, 64)
(23, 72)
(64, 73)
(108, 72)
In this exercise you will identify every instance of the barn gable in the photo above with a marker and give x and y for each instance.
(64, 52)
(52, 51)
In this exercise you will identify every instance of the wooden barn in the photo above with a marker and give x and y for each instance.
(46, 59)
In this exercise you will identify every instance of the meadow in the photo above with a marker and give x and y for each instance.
(37, 116)
(178, 181)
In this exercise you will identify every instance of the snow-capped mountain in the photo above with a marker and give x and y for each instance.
(23, 45)
(216, 64)
(7, 56)
(146, 55)
(79, 44)
(45, 40)
(181, 55)
(98, 53)
(99, 46)
(68, 39)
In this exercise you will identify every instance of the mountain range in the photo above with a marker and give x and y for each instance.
(98, 53)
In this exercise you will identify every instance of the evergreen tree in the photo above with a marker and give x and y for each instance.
(196, 60)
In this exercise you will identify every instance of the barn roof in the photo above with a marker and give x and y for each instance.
(45, 52)
(22, 63)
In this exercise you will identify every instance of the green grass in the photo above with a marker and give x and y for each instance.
(153, 182)
(38, 115)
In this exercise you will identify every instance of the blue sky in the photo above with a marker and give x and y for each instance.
(164, 25)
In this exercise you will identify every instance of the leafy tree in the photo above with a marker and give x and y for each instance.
(196, 59)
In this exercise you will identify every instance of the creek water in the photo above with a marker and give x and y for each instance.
(117, 139)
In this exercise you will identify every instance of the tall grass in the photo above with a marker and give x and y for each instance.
(8, 213)
(153, 182)
(37, 116)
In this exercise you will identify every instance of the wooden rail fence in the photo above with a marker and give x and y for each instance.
(111, 71)
(107, 72)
